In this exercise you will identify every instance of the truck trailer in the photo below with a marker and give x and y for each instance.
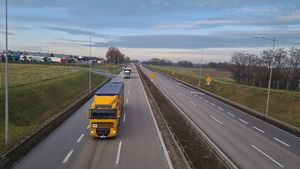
(106, 110)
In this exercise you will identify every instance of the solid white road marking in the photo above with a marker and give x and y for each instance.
(267, 156)
(119, 152)
(230, 114)
(67, 157)
(260, 130)
(243, 121)
(87, 127)
(212, 104)
(124, 117)
(192, 103)
(216, 119)
(281, 142)
(220, 108)
(179, 93)
(80, 138)
(206, 100)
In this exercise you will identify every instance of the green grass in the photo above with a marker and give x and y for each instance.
(110, 68)
(284, 105)
(33, 103)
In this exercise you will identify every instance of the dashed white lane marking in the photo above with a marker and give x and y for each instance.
(80, 138)
(206, 100)
(280, 141)
(263, 153)
(220, 109)
(230, 114)
(128, 91)
(119, 152)
(192, 103)
(129, 86)
(212, 104)
(216, 120)
(260, 130)
(124, 119)
(126, 101)
(67, 157)
(200, 97)
(179, 93)
(243, 121)
(87, 127)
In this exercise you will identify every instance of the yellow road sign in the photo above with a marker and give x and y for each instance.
(208, 80)
(152, 76)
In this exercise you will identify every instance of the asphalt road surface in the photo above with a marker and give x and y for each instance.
(249, 142)
(138, 145)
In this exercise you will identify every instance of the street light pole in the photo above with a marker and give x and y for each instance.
(271, 70)
(90, 77)
(6, 78)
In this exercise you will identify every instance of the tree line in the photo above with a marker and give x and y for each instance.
(254, 69)
(114, 55)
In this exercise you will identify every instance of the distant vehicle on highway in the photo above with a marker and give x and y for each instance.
(106, 110)
(55, 59)
(126, 74)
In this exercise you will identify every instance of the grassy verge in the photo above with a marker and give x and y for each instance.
(284, 105)
(110, 68)
(32, 104)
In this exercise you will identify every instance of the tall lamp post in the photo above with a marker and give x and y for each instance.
(271, 69)
(6, 77)
(90, 77)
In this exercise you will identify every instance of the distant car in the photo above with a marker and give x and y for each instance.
(126, 74)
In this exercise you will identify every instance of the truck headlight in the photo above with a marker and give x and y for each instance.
(94, 125)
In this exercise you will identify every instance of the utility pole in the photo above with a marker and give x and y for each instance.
(90, 77)
(271, 70)
(200, 71)
(6, 77)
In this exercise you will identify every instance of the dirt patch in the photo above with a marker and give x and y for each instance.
(195, 148)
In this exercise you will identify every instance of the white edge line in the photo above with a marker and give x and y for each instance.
(124, 117)
(267, 156)
(216, 119)
(119, 152)
(281, 142)
(243, 121)
(67, 157)
(80, 138)
(260, 130)
(201, 132)
(158, 132)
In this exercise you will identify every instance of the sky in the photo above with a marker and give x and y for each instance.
(143, 29)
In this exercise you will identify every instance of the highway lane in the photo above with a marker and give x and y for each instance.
(137, 146)
(246, 140)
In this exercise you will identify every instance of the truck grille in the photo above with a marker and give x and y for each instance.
(104, 124)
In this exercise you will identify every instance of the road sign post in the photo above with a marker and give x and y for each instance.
(152, 76)
(208, 80)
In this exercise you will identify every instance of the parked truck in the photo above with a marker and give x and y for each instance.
(106, 110)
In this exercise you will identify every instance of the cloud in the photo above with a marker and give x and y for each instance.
(74, 31)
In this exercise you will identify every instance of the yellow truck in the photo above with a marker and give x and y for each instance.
(106, 110)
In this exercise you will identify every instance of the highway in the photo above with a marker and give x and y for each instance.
(138, 144)
(247, 141)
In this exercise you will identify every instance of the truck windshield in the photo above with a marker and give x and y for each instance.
(103, 114)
